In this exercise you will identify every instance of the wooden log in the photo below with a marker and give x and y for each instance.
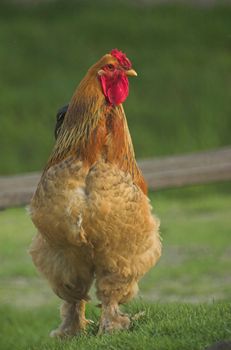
(189, 169)
(160, 173)
(17, 190)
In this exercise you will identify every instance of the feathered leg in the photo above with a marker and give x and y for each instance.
(125, 238)
(113, 292)
(69, 280)
(112, 318)
(73, 319)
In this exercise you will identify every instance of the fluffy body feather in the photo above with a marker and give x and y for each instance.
(93, 217)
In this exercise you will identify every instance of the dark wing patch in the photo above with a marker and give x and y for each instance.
(59, 119)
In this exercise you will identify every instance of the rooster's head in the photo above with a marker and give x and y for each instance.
(113, 70)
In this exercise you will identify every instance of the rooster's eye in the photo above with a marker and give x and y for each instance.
(110, 67)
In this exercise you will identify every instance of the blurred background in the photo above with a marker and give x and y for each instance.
(179, 103)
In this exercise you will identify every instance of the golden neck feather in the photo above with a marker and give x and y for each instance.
(83, 114)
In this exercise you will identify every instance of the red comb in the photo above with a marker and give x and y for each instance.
(121, 58)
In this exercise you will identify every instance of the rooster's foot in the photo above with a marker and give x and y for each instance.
(115, 321)
(73, 320)
(62, 332)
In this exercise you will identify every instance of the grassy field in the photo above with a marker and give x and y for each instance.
(186, 297)
(180, 101)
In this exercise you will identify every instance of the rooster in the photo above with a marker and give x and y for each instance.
(91, 208)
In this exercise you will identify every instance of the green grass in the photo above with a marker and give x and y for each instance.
(180, 101)
(164, 327)
(186, 296)
(196, 244)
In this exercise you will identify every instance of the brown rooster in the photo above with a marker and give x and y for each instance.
(93, 217)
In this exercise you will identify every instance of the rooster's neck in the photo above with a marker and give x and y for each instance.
(93, 130)
(82, 116)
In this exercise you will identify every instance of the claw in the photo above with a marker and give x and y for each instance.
(90, 321)
(138, 316)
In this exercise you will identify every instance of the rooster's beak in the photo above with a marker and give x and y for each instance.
(131, 73)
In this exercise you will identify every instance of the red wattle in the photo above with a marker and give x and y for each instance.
(115, 88)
